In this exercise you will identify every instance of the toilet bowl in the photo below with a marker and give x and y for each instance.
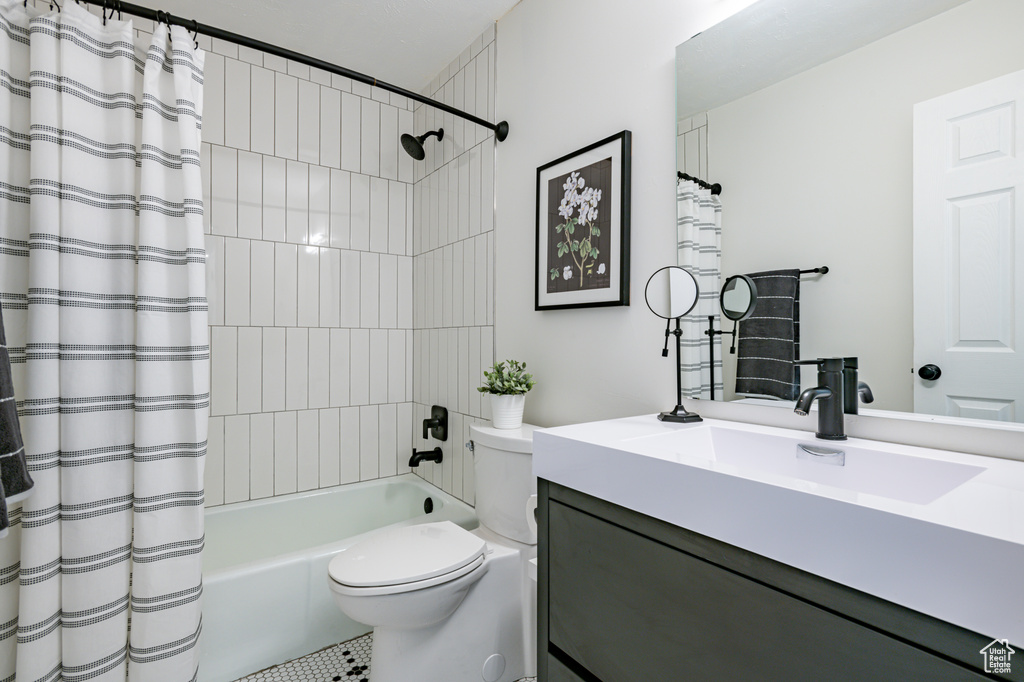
(447, 604)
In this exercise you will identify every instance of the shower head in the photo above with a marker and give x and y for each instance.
(414, 145)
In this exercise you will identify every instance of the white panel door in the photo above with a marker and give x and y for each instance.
(969, 251)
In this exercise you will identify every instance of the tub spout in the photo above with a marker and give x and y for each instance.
(435, 455)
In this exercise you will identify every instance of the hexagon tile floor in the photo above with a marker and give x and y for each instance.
(345, 662)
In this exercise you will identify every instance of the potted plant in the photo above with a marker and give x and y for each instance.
(508, 383)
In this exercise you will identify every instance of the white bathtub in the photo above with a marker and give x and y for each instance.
(265, 598)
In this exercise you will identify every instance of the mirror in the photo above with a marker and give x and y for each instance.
(803, 110)
(671, 292)
(739, 295)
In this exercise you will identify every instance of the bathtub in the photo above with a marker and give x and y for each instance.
(265, 597)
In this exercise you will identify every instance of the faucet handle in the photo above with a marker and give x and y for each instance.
(824, 364)
(437, 425)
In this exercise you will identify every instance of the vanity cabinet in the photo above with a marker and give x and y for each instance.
(624, 597)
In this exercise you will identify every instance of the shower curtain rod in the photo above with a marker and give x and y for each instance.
(715, 188)
(500, 129)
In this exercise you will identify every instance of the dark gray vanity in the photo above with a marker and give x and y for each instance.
(625, 597)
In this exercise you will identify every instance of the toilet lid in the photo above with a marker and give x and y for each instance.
(395, 556)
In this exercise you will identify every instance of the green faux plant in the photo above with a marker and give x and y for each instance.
(507, 377)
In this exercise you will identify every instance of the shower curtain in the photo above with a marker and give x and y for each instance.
(699, 229)
(103, 290)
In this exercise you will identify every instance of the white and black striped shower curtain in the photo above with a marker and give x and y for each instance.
(699, 228)
(102, 281)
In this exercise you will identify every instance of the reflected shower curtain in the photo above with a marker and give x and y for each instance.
(699, 229)
(102, 281)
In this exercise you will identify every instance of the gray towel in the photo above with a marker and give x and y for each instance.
(14, 479)
(769, 340)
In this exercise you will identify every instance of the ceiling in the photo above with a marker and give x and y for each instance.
(774, 39)
(402, 42)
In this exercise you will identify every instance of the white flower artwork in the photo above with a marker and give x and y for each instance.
(579, 209)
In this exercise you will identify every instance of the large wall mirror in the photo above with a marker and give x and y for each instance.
(806, 111)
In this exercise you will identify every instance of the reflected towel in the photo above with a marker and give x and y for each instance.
(15, 482)
(769, 340)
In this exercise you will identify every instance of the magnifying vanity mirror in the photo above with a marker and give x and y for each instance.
(739, 295)
(882, 138)
(671, 293)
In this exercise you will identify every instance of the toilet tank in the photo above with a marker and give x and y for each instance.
(503, 465)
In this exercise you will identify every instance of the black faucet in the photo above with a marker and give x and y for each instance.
(435, 455)
(854, 391)
(437, 425)
(829, 394)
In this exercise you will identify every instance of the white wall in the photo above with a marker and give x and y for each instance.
(817, 170)
(569, 73)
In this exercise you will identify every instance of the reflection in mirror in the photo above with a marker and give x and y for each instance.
(739, 295)
(813, 131)
(671, 292)
(737, 300)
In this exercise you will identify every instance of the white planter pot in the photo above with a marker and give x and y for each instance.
(507, 410)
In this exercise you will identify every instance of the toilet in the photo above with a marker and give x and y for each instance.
(447, 604)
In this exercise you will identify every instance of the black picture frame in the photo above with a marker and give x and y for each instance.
(582, 247)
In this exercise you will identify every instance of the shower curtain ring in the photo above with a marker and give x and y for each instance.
(165, 18)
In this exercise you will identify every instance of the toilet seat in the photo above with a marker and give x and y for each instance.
(403, 559)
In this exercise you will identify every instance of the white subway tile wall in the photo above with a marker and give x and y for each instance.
(692, 144)
(349, 285)
(453, 264)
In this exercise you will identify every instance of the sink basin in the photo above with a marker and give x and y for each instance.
(870, 468)
(940, 532)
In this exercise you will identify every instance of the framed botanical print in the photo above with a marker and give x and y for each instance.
(583, 227)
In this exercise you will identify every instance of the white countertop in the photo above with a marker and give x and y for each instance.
(958, 557)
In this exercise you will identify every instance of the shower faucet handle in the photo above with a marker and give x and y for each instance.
(437, 425)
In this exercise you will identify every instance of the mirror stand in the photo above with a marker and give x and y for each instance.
(672, 292)
(679, 414)
(711, 334)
